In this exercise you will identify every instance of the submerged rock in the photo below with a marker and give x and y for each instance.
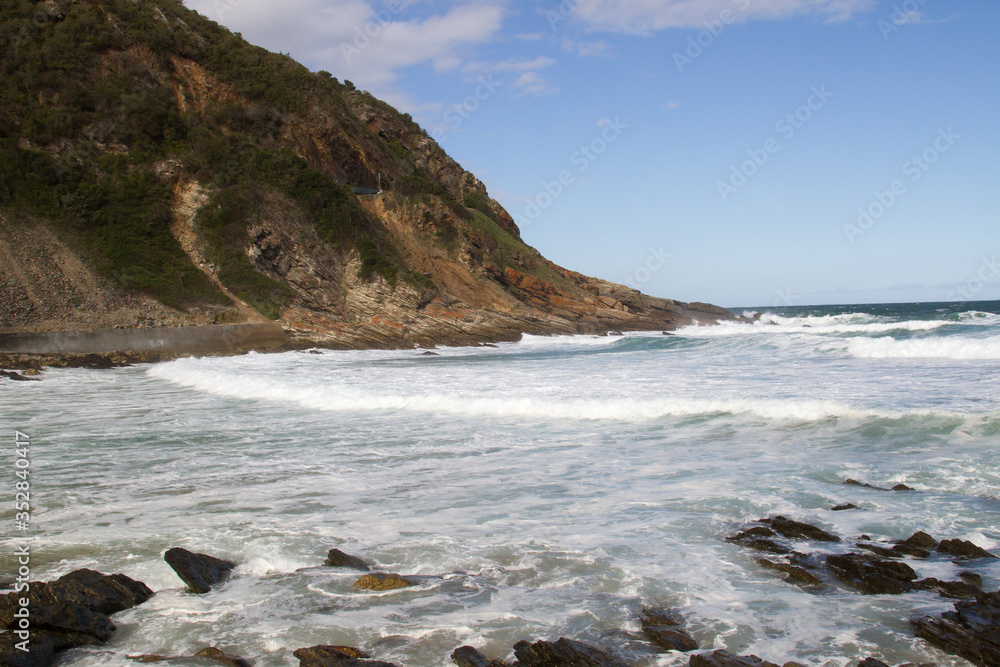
(337, 558)
(796, 530)
(199, 571)
(666, 630)
(336, 656)
(380, 581)
(467, 656)
(971, 631)
(844, 507)
(795, 574)
(563, 653)
(218, 656)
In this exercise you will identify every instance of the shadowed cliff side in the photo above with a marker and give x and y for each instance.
(157, 170)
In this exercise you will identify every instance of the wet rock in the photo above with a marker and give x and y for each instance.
(66, 613)
(758, 538)
(563, 653)
(884, 552)
(844, 507)
(971, 631)
(949, 589)
(14, 375)
(218, 656)
(337, 558)
(963, 549)
(199, 571)
(722, 658)
(380, 581)
(467, 656)
(902, 487)
(428, 353)
(854, 482)
(920, 539)
(666, 630)
(872, 575)
(872, 662)
(794, 573)
(336, 656)
(795, 530)
(972, 578)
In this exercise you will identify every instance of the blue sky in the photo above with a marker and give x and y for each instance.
(742, 152)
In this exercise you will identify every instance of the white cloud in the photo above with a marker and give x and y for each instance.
(356, 39)
(647, 16)
(528, 82)
(586, 49)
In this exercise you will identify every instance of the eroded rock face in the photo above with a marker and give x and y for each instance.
(199, 571)
(563, 653)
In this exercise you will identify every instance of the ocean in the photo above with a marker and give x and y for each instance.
(540, 489)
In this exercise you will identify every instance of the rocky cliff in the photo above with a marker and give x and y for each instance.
(156, 169)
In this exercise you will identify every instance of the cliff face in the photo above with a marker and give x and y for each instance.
(155, 169)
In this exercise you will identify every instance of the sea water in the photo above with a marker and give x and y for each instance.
(540, 489)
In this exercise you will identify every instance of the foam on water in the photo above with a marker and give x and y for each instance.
(544, 488)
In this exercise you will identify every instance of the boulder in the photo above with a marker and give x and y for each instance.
(971, 631)
(920, 539)
(949, 589)
(872, 575)
(218, 656)
(380, 581)
(963, 550)
(199, 571)
(722, 658)
(467, 656)
(563, 653)
(41, 650)
(872, 662)
(336, 656)
(73, 618)
(666, 630)
(796, 530)
(794, 573)
(337, 558)
(844, 507)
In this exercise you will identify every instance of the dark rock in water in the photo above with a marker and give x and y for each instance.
(666, 630)
(72, 617)
(872, 662)
(902, 487)
(428, 353)
(921, 540)
(199, 571)
(871, 575)
(722, 658)
(66, 613)
(797, 530)
(795, 574)
(949, 589)
(467, 656)
(337, 558)
(218, 656)
(844, 507)
(14, 375)
(972, 578)
(563, 653)
(669, 333)
(380, 581)
(880, 551)
(336, 656)
(963, 549)
(615, 333)
(757, 538)
(41, 650)
(972, 631)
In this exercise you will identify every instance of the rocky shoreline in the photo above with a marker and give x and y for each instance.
(76, 609)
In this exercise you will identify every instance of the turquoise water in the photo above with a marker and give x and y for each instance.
(544, 488)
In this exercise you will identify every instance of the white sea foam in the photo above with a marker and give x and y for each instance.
(925, 348)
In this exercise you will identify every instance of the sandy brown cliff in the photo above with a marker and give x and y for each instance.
(195, 179)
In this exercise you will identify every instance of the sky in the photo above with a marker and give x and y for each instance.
(739, 152)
